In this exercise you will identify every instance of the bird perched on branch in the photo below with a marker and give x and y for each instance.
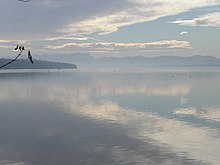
(16, 48)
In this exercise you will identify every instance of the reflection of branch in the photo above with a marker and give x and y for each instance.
(12, 60)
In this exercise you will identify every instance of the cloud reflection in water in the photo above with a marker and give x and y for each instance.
(63, 103)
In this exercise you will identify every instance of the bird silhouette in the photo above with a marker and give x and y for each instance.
(16, 48)
(30, 57)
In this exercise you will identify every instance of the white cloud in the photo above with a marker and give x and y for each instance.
(169, 91)
(207, 113)
(71, 38)
(48, 18)
(105, 24)
(207, 20)
(66, 22)
(10, 44)
(67, 37)
(5, 41)
(185, 111)
(134, 12)
(183, 33)
(6, 47)
(14, 41)
(7, 44)
(111, 46)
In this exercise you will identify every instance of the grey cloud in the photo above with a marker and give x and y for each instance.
(131, 12)
(46, 18)
(201, 22)
(21, 20)
(207, 20)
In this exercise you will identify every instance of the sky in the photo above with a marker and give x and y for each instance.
(111, 27)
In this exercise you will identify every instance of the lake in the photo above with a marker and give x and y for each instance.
(151, 116)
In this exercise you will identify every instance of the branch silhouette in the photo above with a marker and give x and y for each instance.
(21, 49)
(11, 60)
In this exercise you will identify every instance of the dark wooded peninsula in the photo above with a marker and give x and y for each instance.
(38, 64)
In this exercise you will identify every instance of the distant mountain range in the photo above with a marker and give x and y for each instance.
(85, 60)
(38, 64)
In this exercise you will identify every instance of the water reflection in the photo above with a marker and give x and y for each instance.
(109, 118)
(206, 113)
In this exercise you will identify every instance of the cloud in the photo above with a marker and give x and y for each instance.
(105, 24)
(13, 42)
(71, 38)
(6, 47)
(7, 44)
(6, 41)
(48, 18)
(68, 23)
(45, 18)
(67, 37)
(206, 113)
(10, 44)
(111, 46)
(183, 33)
(207, 20)
(169, 91)
(135, 12)
(185, 111)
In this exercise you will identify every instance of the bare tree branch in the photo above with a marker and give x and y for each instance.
(11, 60)
(21, 49)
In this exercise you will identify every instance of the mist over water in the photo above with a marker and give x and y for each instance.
(153, 116)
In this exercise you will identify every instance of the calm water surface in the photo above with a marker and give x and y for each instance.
(130, 117)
